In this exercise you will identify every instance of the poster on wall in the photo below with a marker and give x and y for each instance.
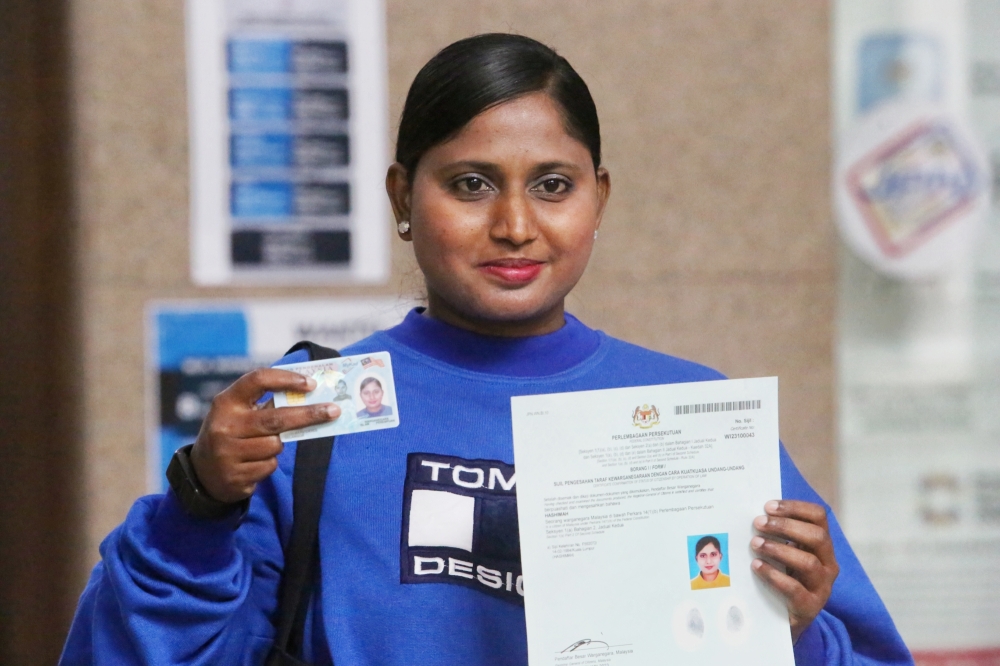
(195, 349)
(287, 107)
(917, 99)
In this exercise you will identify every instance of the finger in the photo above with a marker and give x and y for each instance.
(803, 607)
(230, 473)
(240, 481)
(250, 387)
(807, 535)
(797, 596)
(803, 565)
(809, 512)
(256, 449)
(250, 474)
(276, 421)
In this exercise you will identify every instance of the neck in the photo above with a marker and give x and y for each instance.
(528, 356)
(710, 577)
(547, 322)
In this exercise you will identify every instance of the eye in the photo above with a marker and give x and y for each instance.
(552, 185)
(472, 185)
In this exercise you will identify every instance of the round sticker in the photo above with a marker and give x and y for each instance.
(911, 187)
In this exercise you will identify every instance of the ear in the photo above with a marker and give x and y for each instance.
(603, 193)
(397, 186)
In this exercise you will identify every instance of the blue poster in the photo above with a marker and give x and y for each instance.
(198, 348)
(895, 65)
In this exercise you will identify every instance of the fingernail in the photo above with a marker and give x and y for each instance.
(756, 565)
(760, 521)
(310, 383)
(332, 411)
(772, 506)
(756, 542)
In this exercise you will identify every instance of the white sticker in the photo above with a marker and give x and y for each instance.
(911, 187)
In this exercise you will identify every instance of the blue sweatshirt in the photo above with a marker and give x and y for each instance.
(402, 582)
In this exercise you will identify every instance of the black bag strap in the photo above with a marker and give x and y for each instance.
(312, 461)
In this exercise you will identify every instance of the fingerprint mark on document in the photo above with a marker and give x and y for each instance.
(734, 621)
(689, 626)
(695, 623)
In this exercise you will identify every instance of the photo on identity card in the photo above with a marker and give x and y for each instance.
(362, 386)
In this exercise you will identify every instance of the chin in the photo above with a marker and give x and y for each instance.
(510, 314)
(501, 307)
(512, 306)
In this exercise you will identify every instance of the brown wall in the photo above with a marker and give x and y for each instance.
(717, 244)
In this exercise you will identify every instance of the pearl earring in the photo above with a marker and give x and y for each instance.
(403, 226)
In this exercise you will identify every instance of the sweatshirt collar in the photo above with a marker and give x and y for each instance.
(534, 356)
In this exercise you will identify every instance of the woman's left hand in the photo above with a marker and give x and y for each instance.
(800, 540)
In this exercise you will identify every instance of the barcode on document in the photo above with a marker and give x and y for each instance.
(708, 407)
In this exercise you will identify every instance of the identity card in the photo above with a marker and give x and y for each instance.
(361, 385)
(635, 508)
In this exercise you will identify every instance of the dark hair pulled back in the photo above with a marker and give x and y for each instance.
(477, 73)
(369, 380)
(706, 540)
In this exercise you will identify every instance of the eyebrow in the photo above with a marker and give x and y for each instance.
(472, 164)
(556, 166)
(492, 167)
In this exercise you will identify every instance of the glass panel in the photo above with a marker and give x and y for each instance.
(917, 132)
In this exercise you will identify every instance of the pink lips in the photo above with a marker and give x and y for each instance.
(514, 271)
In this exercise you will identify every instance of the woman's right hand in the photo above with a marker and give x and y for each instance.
(238, 444)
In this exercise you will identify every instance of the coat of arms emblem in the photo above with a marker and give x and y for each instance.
(646, 416)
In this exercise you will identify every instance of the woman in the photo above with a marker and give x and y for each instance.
(708, 556)
(498, 185)
(342, 395)
(372, 394)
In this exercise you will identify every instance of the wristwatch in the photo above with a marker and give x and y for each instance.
(192, 495)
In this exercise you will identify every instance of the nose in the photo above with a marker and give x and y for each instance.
(514, 219)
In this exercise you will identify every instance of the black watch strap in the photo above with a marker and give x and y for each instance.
(192, 495)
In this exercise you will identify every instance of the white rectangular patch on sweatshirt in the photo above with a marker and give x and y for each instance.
(441, 519)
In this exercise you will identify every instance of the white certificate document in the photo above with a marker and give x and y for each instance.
(635, 508)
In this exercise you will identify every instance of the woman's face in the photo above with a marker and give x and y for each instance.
(502, 218)
(371, 395)
(708, 559)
